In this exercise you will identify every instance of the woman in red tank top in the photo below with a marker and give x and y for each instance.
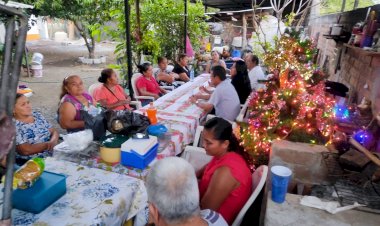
(226, 181)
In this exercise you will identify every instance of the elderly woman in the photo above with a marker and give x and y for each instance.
(73, 100)
(240, 80)
(215, 60)
(163, 76)
(111, 95)
(181, 68)
(226, 181)
(35, 137)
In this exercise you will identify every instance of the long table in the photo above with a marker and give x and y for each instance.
(181, 122)
(93, 197)
(106, 194)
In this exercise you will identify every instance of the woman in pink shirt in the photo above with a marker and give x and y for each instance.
(111, 95)
(147, 84)
(226, 182)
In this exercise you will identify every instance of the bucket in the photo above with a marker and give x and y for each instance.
(37, 58)
(36, 71)
(236, 53)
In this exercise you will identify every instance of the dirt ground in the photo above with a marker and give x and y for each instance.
(61, 60)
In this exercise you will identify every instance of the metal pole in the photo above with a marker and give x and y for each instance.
(20, 48)
(7, 59)
(185, 28)
(10, 75)
(27, 63)
(127, 10)
(343, 5)
(356, 3)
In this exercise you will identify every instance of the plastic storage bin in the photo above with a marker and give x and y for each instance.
(37, 71)
(47, 189)
(133, 159)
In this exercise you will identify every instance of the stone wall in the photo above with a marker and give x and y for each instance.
(353, 67)
(305, 161)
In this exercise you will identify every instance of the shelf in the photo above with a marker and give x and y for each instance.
(362, 51)
(338, 38)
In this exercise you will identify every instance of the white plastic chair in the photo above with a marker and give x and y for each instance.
(243, 111)
(210, 116)
(134, 79)
(95, 86)
(197, 136)
(259, 178)
(196, 156)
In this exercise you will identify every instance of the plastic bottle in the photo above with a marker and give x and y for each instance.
(192, 75)
(152, 113)
(28, 173)
(92, 110)
(99, 107)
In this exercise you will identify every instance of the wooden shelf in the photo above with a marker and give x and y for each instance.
(338, 38)
(362, 51)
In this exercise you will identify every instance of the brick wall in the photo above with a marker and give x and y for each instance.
(359, 70)
(352, 67)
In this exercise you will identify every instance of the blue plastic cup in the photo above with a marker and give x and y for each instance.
(280, 180)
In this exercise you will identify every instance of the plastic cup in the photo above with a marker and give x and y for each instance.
(280, 180)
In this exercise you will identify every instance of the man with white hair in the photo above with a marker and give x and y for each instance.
(174, 196)
(255, 73)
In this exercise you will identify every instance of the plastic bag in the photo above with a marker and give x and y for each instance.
(79, 140)
(28, 173)
(126, 122)
(95, 123)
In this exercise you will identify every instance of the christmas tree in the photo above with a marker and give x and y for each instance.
(294, 105)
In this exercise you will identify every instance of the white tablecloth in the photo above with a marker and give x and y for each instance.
(93, 197)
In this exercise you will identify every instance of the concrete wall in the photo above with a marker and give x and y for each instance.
(305, 161)
(353, 68)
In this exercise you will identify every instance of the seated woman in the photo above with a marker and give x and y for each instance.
(163, 76)
(215, 60)
(181, 68)
(226, 182)
(73, 99)
(240, 80)
(147, 84)
(111, 95)
(35, 137)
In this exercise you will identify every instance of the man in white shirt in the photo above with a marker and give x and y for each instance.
(224, 99)
(255, 72)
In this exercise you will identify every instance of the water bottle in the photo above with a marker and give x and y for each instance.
(93, 111)
(192, 75)
(99, 108)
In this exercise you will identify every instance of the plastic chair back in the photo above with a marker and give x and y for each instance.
(134, 79)
(93, 87)
(259, 178)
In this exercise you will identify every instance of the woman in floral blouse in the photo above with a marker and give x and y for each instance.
(35, 136)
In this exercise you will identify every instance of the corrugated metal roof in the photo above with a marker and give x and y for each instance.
(16, 5)
(229, 4)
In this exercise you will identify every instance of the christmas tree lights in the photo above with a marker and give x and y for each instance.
(294, 105)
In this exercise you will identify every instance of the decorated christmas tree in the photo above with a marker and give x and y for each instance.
(294, 105)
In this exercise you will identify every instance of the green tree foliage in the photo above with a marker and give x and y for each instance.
(335, 6)
(88, 15)
(161, 27)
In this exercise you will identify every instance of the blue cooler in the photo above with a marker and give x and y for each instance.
(133, 159)
(47, 189)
